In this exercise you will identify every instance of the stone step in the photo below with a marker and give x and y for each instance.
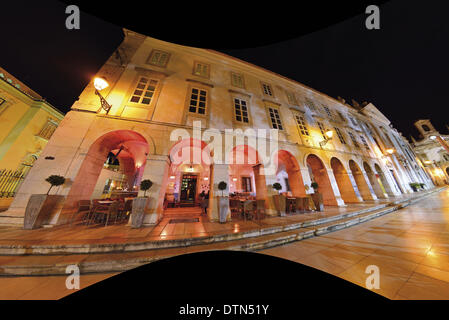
(122, 261)
(186, 242)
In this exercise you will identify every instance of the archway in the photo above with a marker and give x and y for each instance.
(318, 174)
(362, 185)
(288, 174)
(189, 173)
(347, 192)
(378, 189)
(129, 147)
(382, 180)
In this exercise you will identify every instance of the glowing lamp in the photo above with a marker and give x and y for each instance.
(100, 83)
(428, 162)
(234, 179)
(432, 137)
(329, 134)
(390, 150)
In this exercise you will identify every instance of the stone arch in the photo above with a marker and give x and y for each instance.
(378, 190)
(129, 146)
(318, 173)
(359, 178)
(347, 189)
(285, 161)
(382, 180)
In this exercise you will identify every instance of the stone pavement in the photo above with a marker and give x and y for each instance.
(410, 247)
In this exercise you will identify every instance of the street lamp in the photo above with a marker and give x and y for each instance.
(390, 150)
(327, 136)
(100, 83)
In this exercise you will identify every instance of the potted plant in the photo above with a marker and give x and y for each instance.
(317, 197)
(279, 200)
(422, 185)
(414, 186)
(41, 207)
(223, 202)
(140, 204)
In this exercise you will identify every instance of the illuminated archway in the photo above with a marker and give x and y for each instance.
(318, 174)
(379, 190)
(362, 185)
(344, 183)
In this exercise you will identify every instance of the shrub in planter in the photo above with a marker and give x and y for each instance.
(279, 200)
(40, 207)
(317, 197)
(223, 202)
(414, 186)
(314, 185)
(140, 204)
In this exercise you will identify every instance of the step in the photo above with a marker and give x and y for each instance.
(122, 261)
(185, 242)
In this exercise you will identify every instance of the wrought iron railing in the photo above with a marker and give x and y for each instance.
(10, 181)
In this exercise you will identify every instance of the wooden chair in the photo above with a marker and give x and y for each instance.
(125, 211)
(84, 207)
(249, 209)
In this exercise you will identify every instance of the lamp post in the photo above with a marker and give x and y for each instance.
(100, 83)
(327, 136)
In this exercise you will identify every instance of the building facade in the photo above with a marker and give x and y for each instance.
(433, 151)
(166, 100)
(27, 122)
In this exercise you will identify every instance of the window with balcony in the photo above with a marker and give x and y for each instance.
(354, 140)
(365, 143)
(322, 129)
(340, 135)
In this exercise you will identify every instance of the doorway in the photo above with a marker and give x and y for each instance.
(188, 189)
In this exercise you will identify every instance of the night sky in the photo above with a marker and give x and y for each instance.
(402, 68)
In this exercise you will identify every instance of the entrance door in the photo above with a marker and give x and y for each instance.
(188, 189)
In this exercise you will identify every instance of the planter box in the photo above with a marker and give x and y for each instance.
(39, 209)
(223, 208)
(280, 202)
(138, 211)
(318, 201)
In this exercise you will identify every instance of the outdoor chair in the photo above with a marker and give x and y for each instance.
(105, 212)
(249, 208)
(125, 211)
(85, 208)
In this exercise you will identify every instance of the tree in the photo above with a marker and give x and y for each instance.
(277, 186)
(55, 180)
(222, 186)
(145, 185)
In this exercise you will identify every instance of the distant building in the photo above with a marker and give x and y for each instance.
(433, 151)
(27, 122)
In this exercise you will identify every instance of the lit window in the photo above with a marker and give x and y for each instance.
(198, 101)
(354, 122)
(144, 91)
(241, 110)
(301, 122)
(354, 141)
(340, 136)
(275, 119)
(291, 98)
(201, 69)
(328, 112)
(158, 58)
(267, 89)
(237, 80)
(364, 142)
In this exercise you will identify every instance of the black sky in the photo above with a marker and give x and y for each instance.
(402, 68)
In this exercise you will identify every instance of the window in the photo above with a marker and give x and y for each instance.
(237, 80)
(241, 110)
(365, 143)
(275, 119)
(291, 98)
(144, 91)
(354, 141)
(301, 122)
(158, 58)
(2, 101)
(246, 184)
(354, 122)
(201, 69)
(322, 130)
(287, 184)
(341, 116)
(48, 129)
(340, 136)
(267, 89)
(425, 127)
(310, 105)
(198, 101)
(328, 112)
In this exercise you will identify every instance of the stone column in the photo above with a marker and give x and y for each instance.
(219, 172)
(355, 186)
(306, 179)
(368, 194)
(156, 169)
(336, 192)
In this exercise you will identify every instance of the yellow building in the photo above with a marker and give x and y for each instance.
(27, 122)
